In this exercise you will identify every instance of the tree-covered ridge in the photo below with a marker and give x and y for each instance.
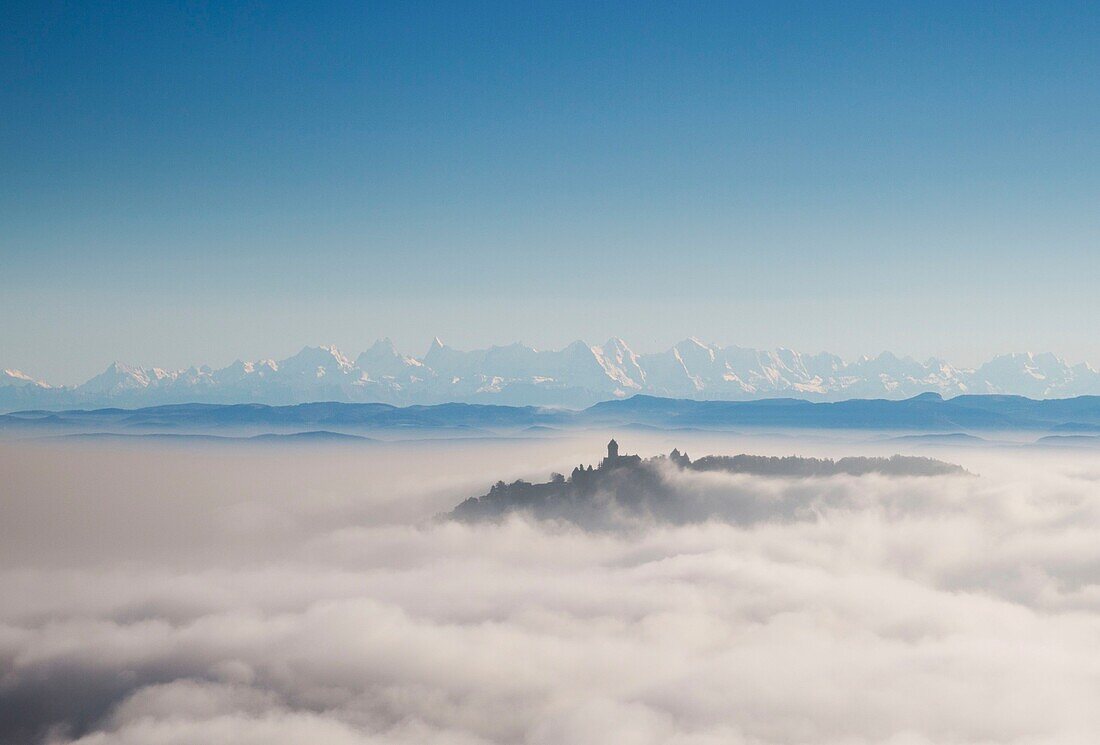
(662, 487)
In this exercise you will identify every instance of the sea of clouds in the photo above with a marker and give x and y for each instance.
(168, 595)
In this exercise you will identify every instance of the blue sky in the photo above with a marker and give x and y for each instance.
(193, 182)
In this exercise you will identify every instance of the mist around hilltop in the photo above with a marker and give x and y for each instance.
(625, 491)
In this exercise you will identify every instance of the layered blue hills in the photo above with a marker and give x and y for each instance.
(923, 413)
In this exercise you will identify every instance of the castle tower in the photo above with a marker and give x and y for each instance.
(612, 450)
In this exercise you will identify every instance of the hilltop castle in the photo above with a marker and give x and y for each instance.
(629, 483)
(614, 460)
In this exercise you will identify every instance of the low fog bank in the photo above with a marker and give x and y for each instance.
(171, 595)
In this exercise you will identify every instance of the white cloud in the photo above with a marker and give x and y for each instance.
(901, 611)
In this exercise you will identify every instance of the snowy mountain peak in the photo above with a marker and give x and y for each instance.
(695, 350)
(384, 345)
(577, 375)
(117, 378)
(621, 365)
(18, 378)
(328, 356)
(383, 360)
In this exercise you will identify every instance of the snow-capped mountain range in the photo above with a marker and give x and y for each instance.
(576, 376)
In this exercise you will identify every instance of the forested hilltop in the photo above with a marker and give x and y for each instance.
(630, 486)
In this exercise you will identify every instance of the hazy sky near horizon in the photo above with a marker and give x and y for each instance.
(195, 182)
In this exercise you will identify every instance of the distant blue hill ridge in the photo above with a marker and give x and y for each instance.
(924, 413)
